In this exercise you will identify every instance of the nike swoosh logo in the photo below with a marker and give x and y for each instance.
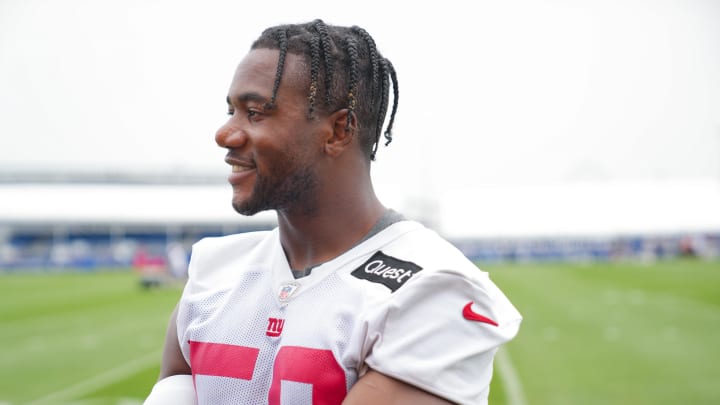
(471, 315)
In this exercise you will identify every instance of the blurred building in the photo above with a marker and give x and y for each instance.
(86, 221)
(81, 220)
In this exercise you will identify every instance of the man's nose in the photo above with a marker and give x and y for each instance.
(230, 136)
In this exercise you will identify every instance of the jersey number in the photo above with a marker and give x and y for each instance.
(292, 363)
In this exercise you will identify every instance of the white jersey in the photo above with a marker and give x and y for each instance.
(404, 302)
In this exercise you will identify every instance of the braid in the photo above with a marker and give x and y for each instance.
(384, 85)
(372, 49)
(352, 51)
(282, 44)
(396, 96)
(314, 67)
(325, 40)
(375, 84)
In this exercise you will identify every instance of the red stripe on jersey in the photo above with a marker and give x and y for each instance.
(311, 366)
(222, 360)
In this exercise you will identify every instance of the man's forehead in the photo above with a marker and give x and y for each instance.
(258, 62)
(258, 69)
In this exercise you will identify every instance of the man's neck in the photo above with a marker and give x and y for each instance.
(311, 240)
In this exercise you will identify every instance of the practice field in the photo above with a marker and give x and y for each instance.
(599, 333)
(618, 333)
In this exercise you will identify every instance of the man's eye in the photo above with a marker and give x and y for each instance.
(231, 112)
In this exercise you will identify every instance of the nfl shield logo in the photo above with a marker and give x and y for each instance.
(287, 290)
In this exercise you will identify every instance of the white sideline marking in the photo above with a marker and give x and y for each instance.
(511, 381)
(100, 380)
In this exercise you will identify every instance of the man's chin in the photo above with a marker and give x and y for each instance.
(248, 212)
(248, 209)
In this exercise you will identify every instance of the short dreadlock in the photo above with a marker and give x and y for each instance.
(346, 67)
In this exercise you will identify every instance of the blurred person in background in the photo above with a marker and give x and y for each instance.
(177, 260)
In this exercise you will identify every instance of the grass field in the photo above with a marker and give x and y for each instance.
(90, 338)
(621, 333)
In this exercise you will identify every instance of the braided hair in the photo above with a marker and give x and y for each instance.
(346, 70)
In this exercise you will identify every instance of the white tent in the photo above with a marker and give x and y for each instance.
(575, 209)
(120, 204)
(583, 209)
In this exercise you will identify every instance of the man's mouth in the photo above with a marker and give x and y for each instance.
(240, 169)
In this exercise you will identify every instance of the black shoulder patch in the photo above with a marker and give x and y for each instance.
(386, 270)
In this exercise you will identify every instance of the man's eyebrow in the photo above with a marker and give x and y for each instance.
(245, 97)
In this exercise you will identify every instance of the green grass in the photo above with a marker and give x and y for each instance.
(97, 335)
(619, 333)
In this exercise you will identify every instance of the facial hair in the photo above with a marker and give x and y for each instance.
(292, 192)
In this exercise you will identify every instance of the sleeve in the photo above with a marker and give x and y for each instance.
(440, 333)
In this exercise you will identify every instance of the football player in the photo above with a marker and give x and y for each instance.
(346, 301)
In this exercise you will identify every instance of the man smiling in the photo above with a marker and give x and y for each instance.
(346, 301)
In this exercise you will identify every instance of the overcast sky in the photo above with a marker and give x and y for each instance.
(503, 92)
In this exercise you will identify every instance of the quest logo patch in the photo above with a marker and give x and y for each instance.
(386, 270)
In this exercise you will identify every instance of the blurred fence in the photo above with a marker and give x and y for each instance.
(34, 249)
(83, 247)
(640, 247)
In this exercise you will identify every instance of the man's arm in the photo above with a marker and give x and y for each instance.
(175, 384)
(173, 362)
(377, 388)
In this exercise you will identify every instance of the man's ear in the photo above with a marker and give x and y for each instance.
(344, 129)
